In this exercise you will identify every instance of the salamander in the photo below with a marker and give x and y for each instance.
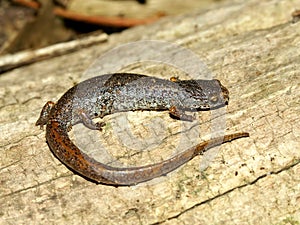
(120, 92)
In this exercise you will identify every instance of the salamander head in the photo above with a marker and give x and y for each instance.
(205, 94)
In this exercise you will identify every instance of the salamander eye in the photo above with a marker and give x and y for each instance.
(214, 99)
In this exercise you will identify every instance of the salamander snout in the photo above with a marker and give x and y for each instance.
(224, 94)
(217, 96)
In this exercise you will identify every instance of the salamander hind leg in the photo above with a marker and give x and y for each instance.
(44, 116)
(180, 114)
(89, 123)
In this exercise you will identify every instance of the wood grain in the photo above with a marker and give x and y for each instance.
(252, 47)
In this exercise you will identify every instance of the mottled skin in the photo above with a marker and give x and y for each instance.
(107, 94)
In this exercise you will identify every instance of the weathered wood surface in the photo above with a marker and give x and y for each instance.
(253, 47)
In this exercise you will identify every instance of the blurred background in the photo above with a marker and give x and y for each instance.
(29, 24)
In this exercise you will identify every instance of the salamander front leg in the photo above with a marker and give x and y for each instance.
(89, 123)
(180, 114)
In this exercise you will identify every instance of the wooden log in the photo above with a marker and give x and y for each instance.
(251, 46)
